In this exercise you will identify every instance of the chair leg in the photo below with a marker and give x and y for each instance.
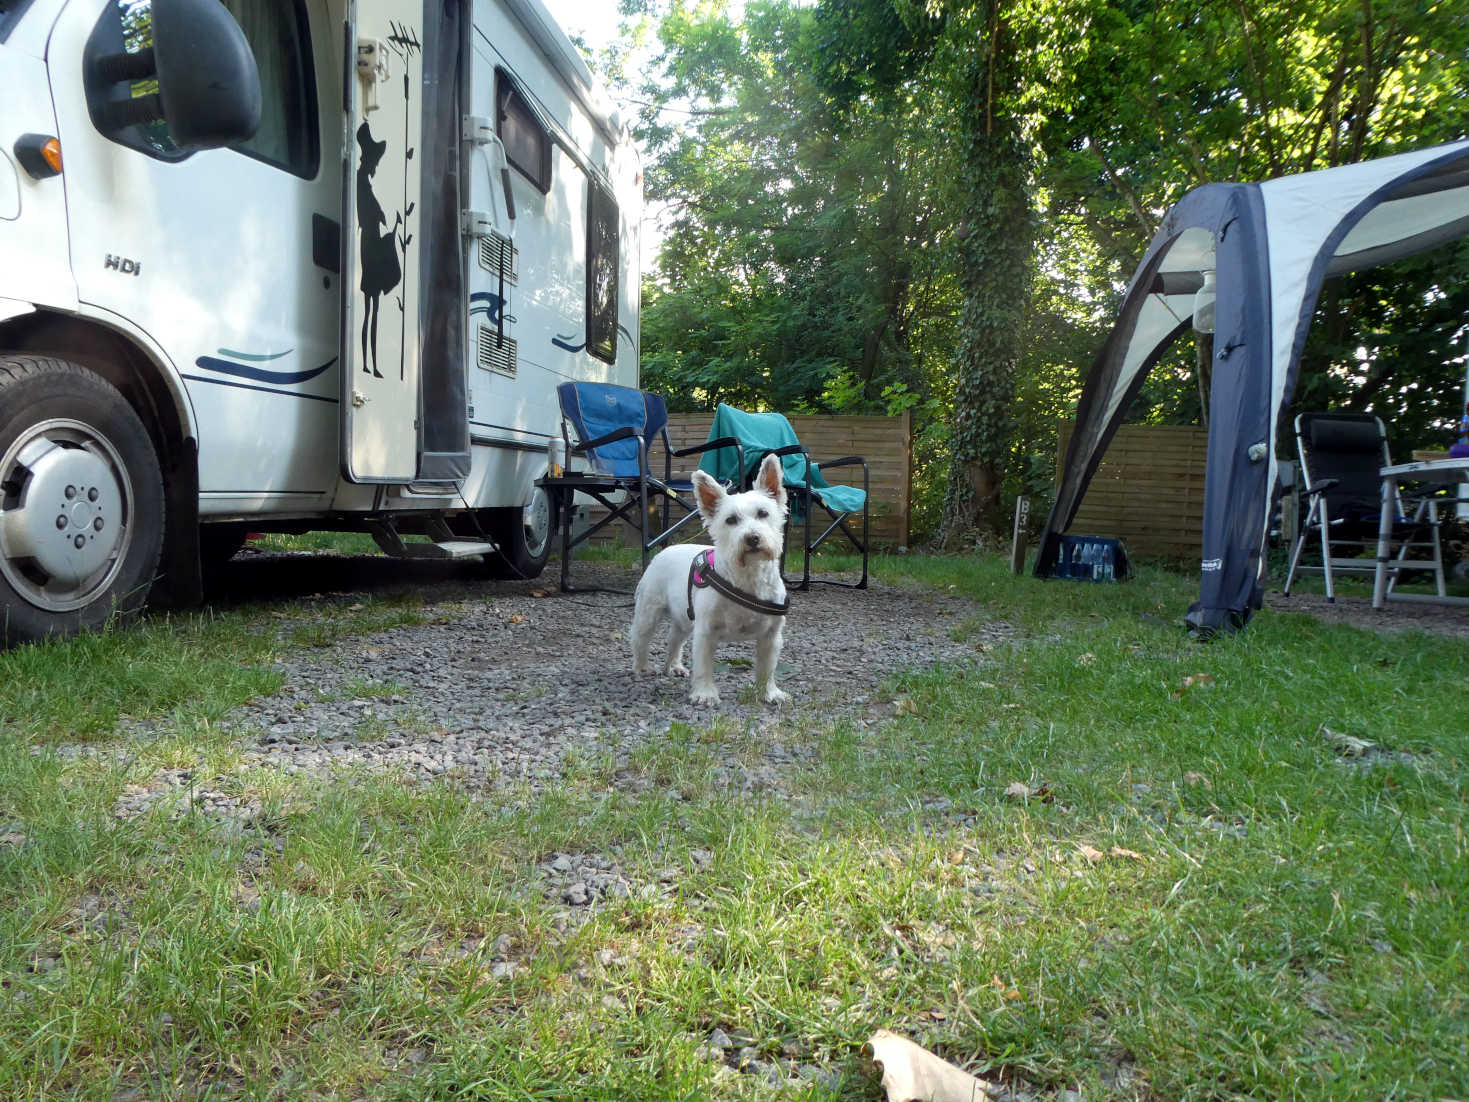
(566, 511)
(1294, 560)
(806, 541)
(1438, 574)
(643, 522)
(1326, 558)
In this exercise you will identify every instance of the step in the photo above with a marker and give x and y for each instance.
(447, 549)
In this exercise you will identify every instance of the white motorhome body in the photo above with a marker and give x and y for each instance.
(354, 317)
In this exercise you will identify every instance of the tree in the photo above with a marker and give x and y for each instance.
(1160, 97)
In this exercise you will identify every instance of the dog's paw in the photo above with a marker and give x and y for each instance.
(702, 697)
(776, 696)
(678, 669)
(642, 671)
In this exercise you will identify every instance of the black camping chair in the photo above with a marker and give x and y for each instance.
(614, 430)
(1341, 455)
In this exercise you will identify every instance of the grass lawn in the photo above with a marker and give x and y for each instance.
(1105, 859)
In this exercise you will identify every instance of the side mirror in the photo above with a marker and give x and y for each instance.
(208, 83)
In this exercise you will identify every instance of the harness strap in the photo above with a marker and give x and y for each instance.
(702, 575)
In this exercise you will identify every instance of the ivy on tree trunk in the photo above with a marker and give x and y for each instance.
(995, 241)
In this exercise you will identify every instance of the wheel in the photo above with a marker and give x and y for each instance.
(81, 501)
(524, 535)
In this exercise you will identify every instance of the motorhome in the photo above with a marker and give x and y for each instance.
(279, 265)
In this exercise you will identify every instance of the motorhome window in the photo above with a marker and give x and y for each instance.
(527, 144)
(280, 39)
(602, 250)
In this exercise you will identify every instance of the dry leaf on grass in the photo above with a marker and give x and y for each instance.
(1019, 790)
(1086, 659)
(1191, 779)
(1094, 855)
(911, 1073)
(516, 619)
(1189, 682)
(1348, 746)
(903, 706)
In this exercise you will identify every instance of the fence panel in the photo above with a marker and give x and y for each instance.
(885, 442)
(1149, 489)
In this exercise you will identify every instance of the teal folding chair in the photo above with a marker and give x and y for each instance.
(762, 434)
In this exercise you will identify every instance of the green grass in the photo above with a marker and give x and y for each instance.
(345, 543)
(1195, 895)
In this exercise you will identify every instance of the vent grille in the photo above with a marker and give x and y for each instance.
(495, 355)
(491, 247)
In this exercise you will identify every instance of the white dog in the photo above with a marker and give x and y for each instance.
(736, 594)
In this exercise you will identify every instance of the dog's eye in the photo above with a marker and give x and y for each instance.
(733, 518)
(761, 513)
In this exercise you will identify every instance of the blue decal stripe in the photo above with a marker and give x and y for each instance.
(258, 359)
(262, 389)
(559, 343)
(260, 374)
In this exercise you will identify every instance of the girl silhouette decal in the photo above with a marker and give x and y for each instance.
(378, 250)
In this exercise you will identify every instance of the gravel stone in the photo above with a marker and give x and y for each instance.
(502, 680)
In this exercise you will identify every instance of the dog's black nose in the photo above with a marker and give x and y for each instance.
(752, 540)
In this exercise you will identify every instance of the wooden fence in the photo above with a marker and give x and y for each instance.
(885, 442)
(1148, 491)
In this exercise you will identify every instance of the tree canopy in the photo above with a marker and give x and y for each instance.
(870, 205)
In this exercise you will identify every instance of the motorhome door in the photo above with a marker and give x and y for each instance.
(381, 272)
(404, 408)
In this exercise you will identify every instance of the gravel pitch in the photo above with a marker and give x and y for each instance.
(503, 680)
(1396, 617)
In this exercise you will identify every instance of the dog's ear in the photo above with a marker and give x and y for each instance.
(708, 493)
(771, 480)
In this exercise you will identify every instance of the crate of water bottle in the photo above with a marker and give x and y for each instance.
(1092, 559)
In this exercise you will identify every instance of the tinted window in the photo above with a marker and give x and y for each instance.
(602, 247)
(527, 145)
(279, 37)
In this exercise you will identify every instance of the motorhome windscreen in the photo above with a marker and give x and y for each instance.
(279, 37)
(10, 13)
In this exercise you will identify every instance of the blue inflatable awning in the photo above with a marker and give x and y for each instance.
(1269, 246)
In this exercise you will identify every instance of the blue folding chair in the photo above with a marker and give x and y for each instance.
(615, 428)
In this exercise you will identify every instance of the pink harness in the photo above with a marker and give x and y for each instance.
(702, 575)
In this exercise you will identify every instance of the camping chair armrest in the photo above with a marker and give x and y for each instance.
(850, 461)
(709, 445)
(611, 438)
(789, 449)
(1320, 487)
(712, 445)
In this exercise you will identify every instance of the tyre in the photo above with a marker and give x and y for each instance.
(524, 535)
(81, 501)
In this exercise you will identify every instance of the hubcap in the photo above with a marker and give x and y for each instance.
(65, 514)
(538, 523)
